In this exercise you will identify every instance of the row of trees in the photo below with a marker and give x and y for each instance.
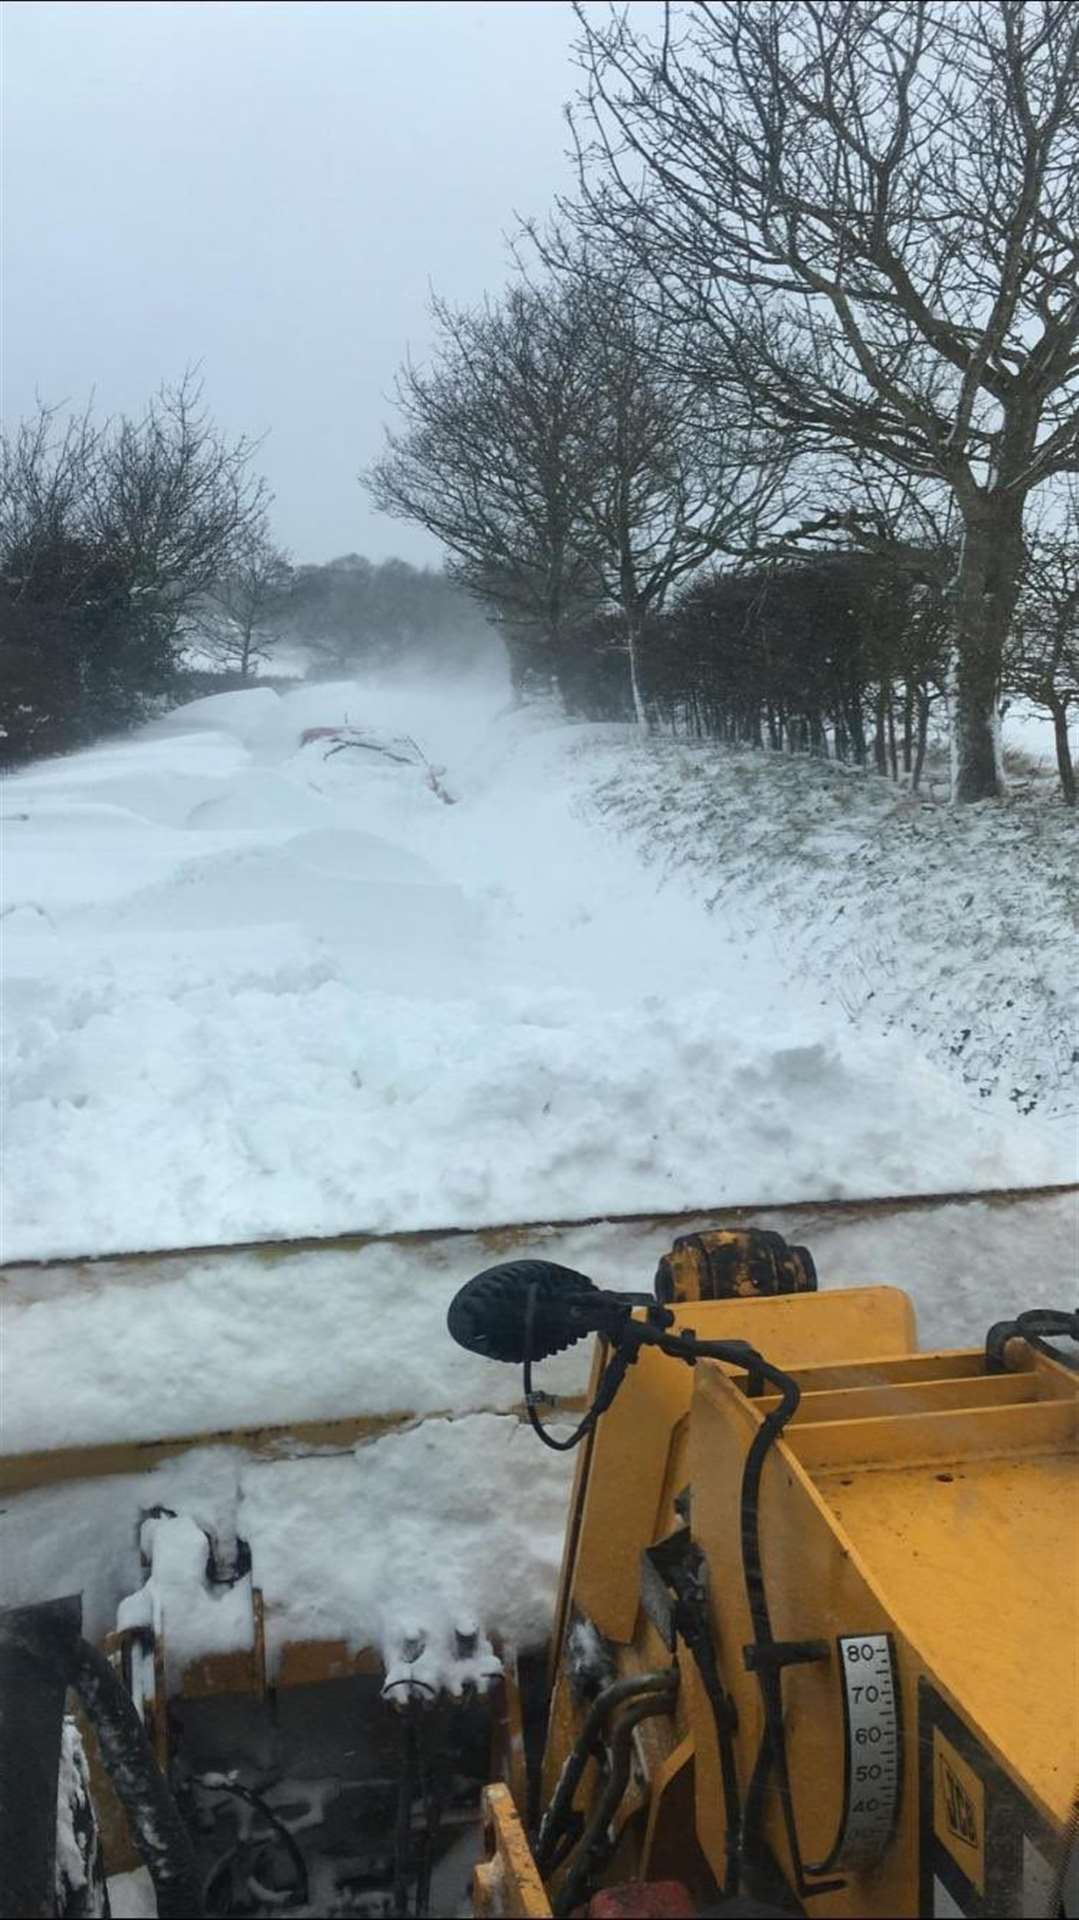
(840, 654)
(818, 288)
(111, 535)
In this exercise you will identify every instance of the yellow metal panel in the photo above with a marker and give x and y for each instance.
(911, 1397)
(1040, 1427)
(506, 1885)
(875, 1371)
(980, 1564)
(629, 1453)
(973, 1568)
(816, 1588)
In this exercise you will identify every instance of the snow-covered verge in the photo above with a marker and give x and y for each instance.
(255, 988)
(956, 927)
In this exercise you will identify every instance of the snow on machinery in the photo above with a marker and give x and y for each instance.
(814, 1648)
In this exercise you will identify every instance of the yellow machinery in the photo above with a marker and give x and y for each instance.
(817, 1640)
(816, 1645)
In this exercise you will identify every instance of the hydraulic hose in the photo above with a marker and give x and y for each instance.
(36, 1645)
(589, 1847)
(632, 1687)
(156, 1825)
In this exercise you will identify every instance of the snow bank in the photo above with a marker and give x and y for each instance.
(302, 1097)
(236, 1339)
(242, 713)
(131, 1896)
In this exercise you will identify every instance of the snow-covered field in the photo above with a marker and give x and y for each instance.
(255, 991)
(256, 988)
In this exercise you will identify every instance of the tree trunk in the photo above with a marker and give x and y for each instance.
(986, 590)
(633, 637)
(1059, 711)
(880, 751)
(923, 739)
(893, 760)
(856, 729)
(908, 726)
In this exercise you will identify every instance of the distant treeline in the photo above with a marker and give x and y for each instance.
(353, 613)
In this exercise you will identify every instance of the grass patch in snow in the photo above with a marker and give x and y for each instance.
(954, 925)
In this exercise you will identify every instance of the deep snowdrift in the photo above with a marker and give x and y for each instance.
(253, 990)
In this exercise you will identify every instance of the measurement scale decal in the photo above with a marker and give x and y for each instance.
(873, 1771)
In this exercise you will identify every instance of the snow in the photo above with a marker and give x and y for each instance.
(243, 713)
(1028, 729)
(442, 1526)
(446, 1517)
(71, 1788)
(252, 992)
(131, 1896)
(189, 1616)
(268, 992)
(235, 1339)
(458, 1539)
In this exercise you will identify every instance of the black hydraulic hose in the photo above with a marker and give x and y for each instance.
(766, 1661)
(590, 1846)
(612, 1379)
(633, 1687)
(763, 1440)
(766, 1657)
(1038, 1326)
(156, 1824)
(255, 1800)
(697, 1636)
(772, 1751)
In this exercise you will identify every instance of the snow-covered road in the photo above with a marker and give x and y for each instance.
(252, 990)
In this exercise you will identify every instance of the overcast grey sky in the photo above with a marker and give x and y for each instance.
(268, 189)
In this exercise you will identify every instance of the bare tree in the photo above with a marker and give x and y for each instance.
(234, 620)
(490, 456)
(678, 472)
(872, 209)
(169, 498)
(107, 533)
